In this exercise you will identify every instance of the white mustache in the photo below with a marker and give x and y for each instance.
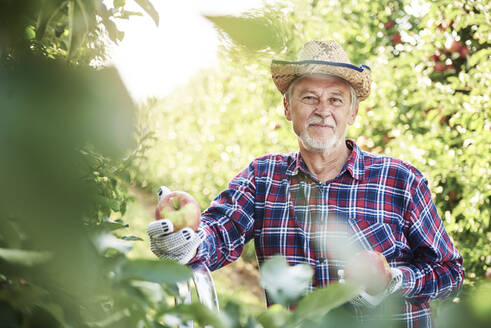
(328, 121)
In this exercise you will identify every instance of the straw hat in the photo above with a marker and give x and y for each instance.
(322, 57)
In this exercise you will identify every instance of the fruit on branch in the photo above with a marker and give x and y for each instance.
(369, 269)
(455, 46)
(439, 67)
(443, 25)
(435, 57)
(389, 24)
(181, 209)
(396, 38)
(463, 52)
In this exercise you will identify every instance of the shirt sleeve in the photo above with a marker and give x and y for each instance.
(436, 269)
(227, 225)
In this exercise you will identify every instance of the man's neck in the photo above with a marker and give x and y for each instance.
(325, 166)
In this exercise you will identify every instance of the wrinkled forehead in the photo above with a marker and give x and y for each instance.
(319, 79)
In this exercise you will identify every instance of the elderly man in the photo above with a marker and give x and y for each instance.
(281, 200)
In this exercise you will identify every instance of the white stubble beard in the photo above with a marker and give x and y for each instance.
(323, 146)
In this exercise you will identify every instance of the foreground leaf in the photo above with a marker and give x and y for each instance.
(78, 23)
(23, 257)
(161, 271)
(110, 225)
(198, 313)
(150, 9)
(275, 317)
(48, 10)
(255, 33)
(105, 242)
(285, 283)
(318, 303)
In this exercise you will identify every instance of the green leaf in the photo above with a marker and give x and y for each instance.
(481, 302)
(115, 205)
(285, 283)
(276, 316)
(251, 323)
(78, 24)
(255, 33)
(321, 301)
(480, 56)
(107, 241)
(109, 225)
(232, 311)
(198, 313)
(10, 317)
(10, 234)
(126, 14)
(119, 3)
(23, 295)
(149, 8)
(162, 271)
(23, 257)
(56, 311)
(48, 10)
(152, 291)
(111, 28)
(30, 32)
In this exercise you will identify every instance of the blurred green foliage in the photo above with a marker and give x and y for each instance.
(73, 30)
(69, 141)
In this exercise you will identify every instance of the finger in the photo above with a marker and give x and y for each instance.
(169, 243)
(163, 191)
(160, 228)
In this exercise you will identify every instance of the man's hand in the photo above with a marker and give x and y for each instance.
(167, 244)
(172, 235)
(370, 270)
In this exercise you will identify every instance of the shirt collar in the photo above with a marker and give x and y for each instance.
(354, 165)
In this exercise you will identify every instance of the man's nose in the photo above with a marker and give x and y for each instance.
(323, 109)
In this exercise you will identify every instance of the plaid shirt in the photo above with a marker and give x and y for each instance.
(384, 202)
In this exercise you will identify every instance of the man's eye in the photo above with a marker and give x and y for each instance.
(337, 100)
(309, 99)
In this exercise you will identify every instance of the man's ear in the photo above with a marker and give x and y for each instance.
(286, 105)
(352, 116)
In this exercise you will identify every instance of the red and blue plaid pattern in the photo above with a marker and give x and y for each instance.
(379, 202)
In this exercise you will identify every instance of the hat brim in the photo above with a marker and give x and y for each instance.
(283, 73)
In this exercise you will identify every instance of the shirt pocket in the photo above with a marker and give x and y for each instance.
(376, 234)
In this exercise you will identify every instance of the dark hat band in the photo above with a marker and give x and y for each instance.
(321, 62)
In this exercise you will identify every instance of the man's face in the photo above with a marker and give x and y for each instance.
(319, 109)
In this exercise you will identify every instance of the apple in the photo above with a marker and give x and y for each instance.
(396, 38)
(180, 208)
(439, 67)
(463, 52)
(434, 57)
(369, 269)
(443, 25)
(389, 24)
(455, 46)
